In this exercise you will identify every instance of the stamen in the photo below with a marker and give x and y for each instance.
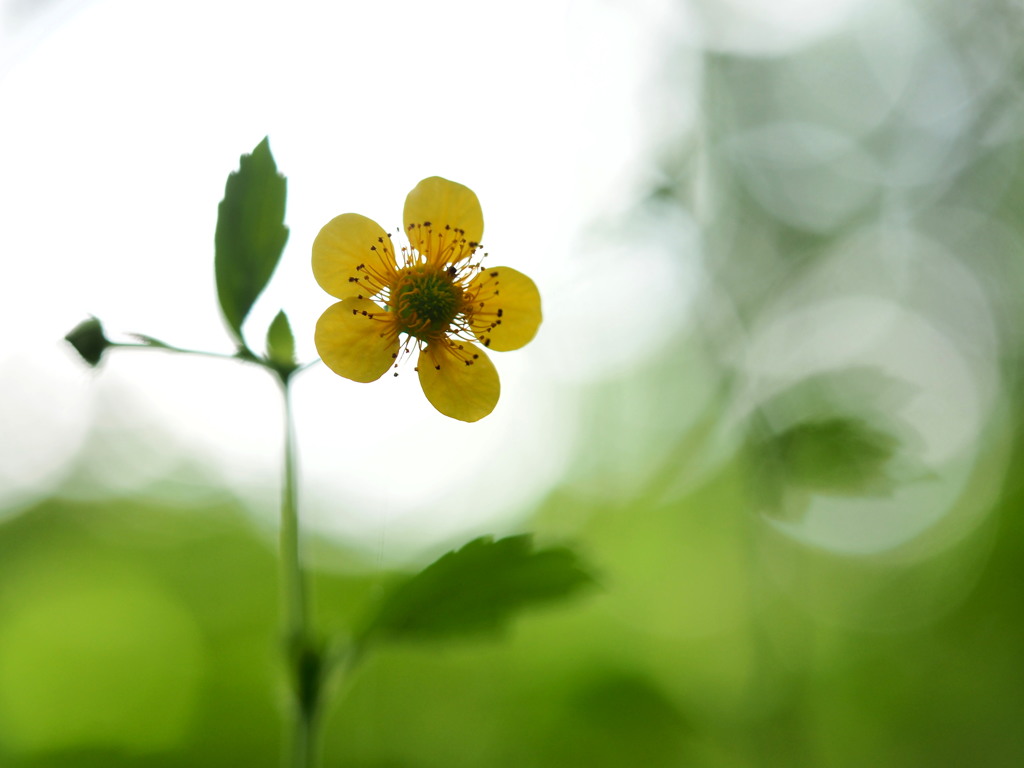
(431, 293)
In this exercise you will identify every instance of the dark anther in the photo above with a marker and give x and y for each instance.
(475, 356)
(473, 244)
(359, 297)
(487, 342)
(437, 367)
(494, 274)
(355, 311)
(396, 373)
(499, 313)
(469, 362)
(452, 271)
(447, 226)
(380, 239)
(426, 223)
(364, 313)
(394, 355)
(373, 247)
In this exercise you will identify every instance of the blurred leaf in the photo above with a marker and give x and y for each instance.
(622, 718)
(250, 234)
(836, 433)
(842, 456)
(89, 341)
(476, 589)
(281, 342)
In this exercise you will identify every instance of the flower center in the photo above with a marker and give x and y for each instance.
(426, 301)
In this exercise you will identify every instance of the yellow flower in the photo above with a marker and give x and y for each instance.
(433, 297)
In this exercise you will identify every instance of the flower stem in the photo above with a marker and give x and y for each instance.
(303, 654)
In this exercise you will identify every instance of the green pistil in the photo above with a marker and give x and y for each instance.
(426, 301)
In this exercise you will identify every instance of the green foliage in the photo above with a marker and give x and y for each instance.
(621, 718)
(281, 342)
(703, 652)
(89, 341)
(250, 235)
(476, 589)
(836, 433)
(842, 456)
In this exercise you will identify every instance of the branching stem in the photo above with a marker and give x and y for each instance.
(302, 650)
(307, 658)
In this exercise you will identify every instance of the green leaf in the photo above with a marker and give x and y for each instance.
(280, 341)
(89, 340)
(476, 589)
(839, 456)
(250, 235)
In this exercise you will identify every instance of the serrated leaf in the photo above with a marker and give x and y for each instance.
(89, 340)
(476, 589)
(250, 235)
(280, 341)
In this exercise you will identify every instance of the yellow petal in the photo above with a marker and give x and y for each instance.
(353, 340)
(507, 312)
(443, 220)
(462, 383)
(343, 244)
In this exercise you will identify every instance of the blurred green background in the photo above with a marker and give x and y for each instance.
(795, 472)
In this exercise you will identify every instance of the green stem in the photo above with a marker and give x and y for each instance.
(305, 656)
(170, 348)
(302, 651)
